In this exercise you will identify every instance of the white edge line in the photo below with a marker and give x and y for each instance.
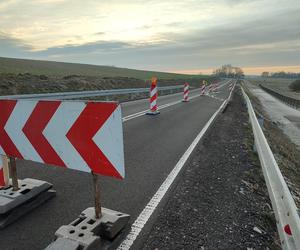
(144, 216)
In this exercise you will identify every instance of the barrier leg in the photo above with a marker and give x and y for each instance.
(94, 227)
(98, 212)
(13, 173)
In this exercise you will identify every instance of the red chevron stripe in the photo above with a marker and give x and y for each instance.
(154, 97)
(84, 129)
(6, 108)
(34, 127)
(2, 180)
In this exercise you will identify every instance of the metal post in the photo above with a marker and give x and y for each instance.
(98, 212)
(13, 173)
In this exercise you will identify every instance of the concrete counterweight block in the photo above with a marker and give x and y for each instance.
(87, 231)
(14, 204)
(153, 112)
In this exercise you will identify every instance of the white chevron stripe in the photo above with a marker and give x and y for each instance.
(1, 162)
(56, 131)
(153, 91)
(14, 126)
(2, 151)
(152, 104)
(110, 140)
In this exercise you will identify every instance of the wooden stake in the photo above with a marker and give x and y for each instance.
(98, 211)
(13, 173)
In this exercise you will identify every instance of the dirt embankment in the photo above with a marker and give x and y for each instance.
(11, 84)
(221, 200)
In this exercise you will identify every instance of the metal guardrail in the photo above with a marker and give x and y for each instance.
(285, 209)
(82, 94)
(286, 99)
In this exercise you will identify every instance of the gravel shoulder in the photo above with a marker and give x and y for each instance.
(220, 201)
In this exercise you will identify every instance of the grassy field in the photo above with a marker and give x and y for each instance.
(18, 76)
(279, 85)
(16, 66)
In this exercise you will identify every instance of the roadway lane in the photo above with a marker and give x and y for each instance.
(153, 145)
(132, 107)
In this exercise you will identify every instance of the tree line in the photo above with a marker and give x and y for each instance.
(281, 74)
(229, 71)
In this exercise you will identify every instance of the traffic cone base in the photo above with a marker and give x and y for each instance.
(156, 112)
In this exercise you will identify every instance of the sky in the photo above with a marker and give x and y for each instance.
(185, 36)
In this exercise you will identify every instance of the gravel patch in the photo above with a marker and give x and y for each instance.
(220, 201)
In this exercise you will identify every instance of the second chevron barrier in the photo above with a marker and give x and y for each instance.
(153, 97)
(4, 177)
(186, 92)
(203, 87)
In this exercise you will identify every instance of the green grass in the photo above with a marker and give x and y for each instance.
(35, 67)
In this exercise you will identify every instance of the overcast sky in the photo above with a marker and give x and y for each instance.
(189, 36)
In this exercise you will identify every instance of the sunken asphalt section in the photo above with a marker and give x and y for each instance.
(221, 201)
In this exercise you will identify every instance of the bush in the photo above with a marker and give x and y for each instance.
(295, 86)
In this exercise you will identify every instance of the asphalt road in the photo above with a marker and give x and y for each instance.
(153, 145)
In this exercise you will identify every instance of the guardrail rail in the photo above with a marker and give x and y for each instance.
(82, 94)
(285, 209)
(286, 99)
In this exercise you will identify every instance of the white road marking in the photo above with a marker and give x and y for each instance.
(141, 113)
(144, 216)
(138, 114)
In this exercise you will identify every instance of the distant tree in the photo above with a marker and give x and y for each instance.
(282, 74)
(229, 71)
(265, 74)
(295, 85)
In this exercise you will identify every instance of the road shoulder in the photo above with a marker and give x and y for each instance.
(220, 201)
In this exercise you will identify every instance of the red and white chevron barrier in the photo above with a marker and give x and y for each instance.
(210, 88)
(216, 85)
(153, 97)
(4, 178)
(86, 136)
(203, 88)
(186, 92)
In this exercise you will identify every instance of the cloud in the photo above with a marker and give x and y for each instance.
(85, 49)
(177, 35)
(11, 47)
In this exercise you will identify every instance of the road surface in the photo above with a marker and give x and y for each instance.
(153, 146)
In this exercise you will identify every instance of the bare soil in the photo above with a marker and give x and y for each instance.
(11, 84)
